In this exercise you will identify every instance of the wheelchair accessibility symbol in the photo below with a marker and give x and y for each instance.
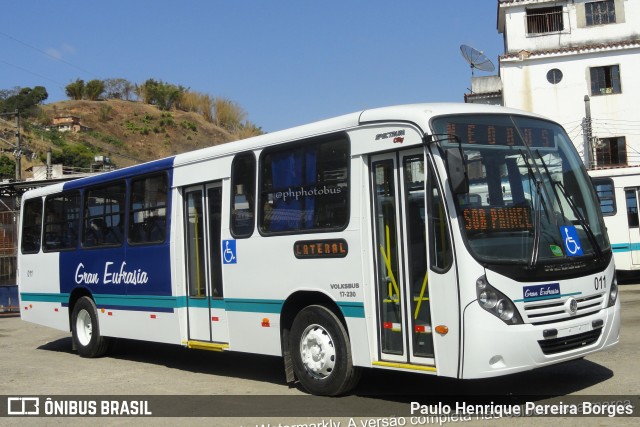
(571, 240)
(229, 252)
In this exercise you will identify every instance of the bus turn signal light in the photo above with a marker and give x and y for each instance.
(442, 329)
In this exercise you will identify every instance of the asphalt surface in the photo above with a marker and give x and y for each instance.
(250, 390)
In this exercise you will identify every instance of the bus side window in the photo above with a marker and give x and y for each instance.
(606, 195)
(31, 226)
(62, 215)
(439, 244)
(103, 220)
(304, 186)
(148, 210)
(632, 207)
(243, 178)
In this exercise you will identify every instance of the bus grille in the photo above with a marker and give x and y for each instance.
(558, 345)
(542, 312)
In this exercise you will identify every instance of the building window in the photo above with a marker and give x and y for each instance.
(605, 80)
(600, 12)
(611, 152)
(544, 20)
(554, 76)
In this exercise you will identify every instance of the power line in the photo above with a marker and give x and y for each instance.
(48, 54)
(31, 72)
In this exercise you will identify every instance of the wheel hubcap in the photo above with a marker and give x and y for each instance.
(317, 351)
(84, 327)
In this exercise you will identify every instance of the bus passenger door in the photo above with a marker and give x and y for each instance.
(631, 196)
(205, 304)
(416, 288)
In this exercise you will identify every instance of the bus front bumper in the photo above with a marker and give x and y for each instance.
(492, 348)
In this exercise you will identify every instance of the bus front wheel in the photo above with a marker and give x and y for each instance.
(85, 330)
(321, 352)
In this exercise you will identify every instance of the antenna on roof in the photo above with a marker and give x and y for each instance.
(476, 59)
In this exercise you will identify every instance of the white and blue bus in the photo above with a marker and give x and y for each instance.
(456, 240)
(617, 190)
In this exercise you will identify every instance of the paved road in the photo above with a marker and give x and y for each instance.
(35, 360)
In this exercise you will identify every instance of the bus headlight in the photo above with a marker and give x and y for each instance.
(496, 303)
(613, 292)
(505, 310)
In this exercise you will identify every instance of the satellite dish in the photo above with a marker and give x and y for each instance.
(476, 59)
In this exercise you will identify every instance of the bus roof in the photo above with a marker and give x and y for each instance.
(615, 171)
(418, 114)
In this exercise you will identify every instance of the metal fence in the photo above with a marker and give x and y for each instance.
(8, 252)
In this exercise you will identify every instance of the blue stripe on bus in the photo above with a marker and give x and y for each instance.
(352, 309)
(625, 247)
(41, 297)
(254, 305)
(136, 308)
(168, 304)
(127, 301)
(204, 303)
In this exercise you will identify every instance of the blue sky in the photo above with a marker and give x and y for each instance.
(285, 62)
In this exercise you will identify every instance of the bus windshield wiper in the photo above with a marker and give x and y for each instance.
(581, 219)
(538, 202)
(555, 193)
(536, 226)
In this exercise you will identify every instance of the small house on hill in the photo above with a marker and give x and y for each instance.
(68, 124)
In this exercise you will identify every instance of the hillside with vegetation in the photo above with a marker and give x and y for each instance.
(129, 125)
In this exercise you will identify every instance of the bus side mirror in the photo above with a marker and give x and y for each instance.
(457, 171)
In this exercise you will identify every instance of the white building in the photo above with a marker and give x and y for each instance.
(558, 52)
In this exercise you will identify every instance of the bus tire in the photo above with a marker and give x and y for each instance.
(85, 330)
(321, 352)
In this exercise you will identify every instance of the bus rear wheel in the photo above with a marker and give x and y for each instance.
(321, 352)
(85, 330)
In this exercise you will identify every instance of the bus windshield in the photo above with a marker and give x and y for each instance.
(530, 200)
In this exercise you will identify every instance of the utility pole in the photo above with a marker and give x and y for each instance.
(18, 152)
(48, 175)
(587, 132)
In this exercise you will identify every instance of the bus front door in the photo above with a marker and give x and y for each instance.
(205, 304)
(415, 284)
(631, 196)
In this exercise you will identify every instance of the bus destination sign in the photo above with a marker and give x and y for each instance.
(488, 219)
(323, 248)
(499, 135)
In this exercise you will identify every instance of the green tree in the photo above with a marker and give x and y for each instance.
(75, 155)
(25, 100)
(93, 90)
(118, 89)
(75, 90)
(161, 94)
(7, 167)
(7, 93)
